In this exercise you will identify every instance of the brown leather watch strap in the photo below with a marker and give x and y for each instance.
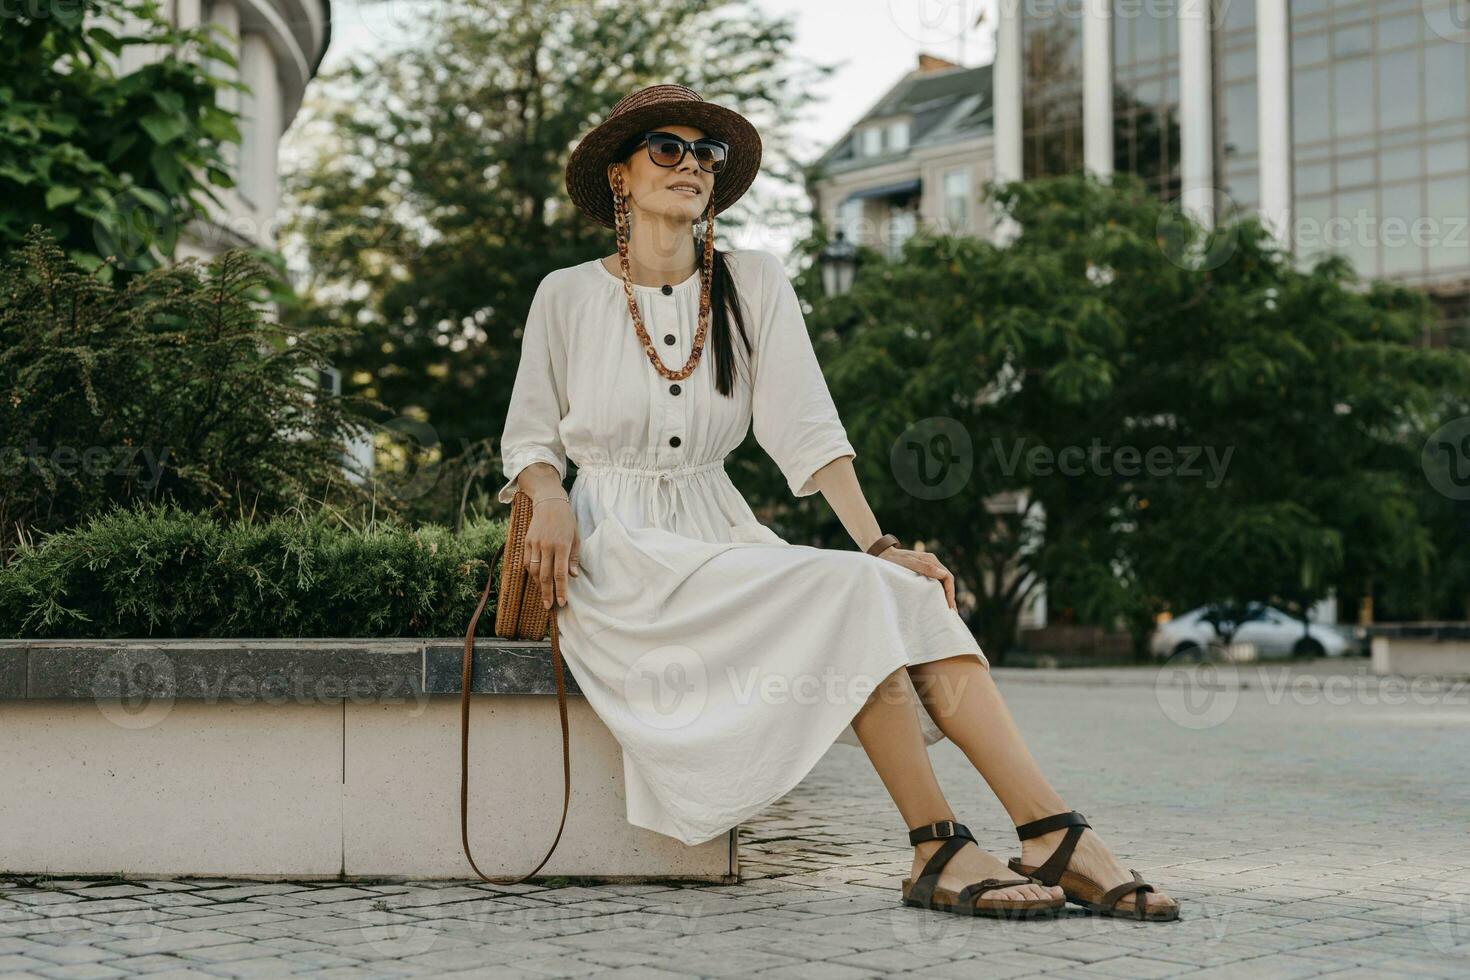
(464, 737)
(882, 544)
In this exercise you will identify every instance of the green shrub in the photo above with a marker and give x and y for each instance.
(156, 571)
(176, 387)
(115, 165)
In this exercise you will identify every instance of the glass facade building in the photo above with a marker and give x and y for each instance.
(1146, 93)
(1378, 112)
(1051, 104)
(1381, 135)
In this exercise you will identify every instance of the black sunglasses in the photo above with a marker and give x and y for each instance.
(667, 150)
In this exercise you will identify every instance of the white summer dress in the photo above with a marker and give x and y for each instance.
(723, 659)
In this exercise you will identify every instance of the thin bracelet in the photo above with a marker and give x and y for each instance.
(882, 544)
(550, 496)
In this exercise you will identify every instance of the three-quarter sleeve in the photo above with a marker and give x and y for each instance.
(538, 399)
(794, 418)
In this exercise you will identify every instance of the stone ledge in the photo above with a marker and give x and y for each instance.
(273, 670)
(1422, 631)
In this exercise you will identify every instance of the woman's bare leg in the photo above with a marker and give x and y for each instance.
(888, 728)
(960, 695)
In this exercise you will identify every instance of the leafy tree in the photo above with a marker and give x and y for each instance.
(172, 388)
(111, 164)
(433, 201)
(1285, 410)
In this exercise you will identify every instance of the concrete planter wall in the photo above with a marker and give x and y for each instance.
(309, 759)
(1441, 649)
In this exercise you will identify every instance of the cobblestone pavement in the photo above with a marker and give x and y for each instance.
(1309, 823)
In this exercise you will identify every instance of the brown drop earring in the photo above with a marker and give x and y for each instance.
(706, 273)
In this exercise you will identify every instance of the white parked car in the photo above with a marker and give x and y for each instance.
(1269, 630)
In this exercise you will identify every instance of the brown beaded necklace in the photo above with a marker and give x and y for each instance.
(620, 214)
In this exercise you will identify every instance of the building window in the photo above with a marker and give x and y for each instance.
(901, 225)
(871, 141)
(1380, 146)
(1146, 89)
(957, 201)
(850, 219)
(898, 136)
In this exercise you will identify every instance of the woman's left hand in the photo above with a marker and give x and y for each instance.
(925, 564)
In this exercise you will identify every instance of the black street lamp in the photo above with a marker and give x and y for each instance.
(839, 264)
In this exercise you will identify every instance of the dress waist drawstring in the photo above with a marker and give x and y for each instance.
(667, 481)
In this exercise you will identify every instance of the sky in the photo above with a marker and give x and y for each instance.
(872, 42)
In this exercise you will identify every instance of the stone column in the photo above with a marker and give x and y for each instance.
(1273, 112)
(1196, 115)
(1097, 86)
(262, 131)
(1006, 86)
(188, 13)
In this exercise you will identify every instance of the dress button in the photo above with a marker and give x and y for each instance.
(668, 289)
(668, 338)
(673, 389)
(674, 441)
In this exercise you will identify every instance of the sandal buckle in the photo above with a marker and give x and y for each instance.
(948, 828)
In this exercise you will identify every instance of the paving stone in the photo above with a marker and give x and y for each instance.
(73, 954)
(1368, 878)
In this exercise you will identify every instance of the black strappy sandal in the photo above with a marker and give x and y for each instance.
(1080, 889)
(925, 893)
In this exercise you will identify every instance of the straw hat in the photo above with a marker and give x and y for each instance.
(649, 108)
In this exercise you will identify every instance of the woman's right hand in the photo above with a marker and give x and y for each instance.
(553, 538)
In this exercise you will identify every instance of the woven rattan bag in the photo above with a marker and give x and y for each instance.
(519, 615)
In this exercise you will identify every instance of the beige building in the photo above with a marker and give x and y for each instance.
(919, 156)
(278, 45)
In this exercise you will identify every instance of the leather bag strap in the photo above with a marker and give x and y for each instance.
(464, 734)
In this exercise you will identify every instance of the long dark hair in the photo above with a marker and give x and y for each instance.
(724, 301)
